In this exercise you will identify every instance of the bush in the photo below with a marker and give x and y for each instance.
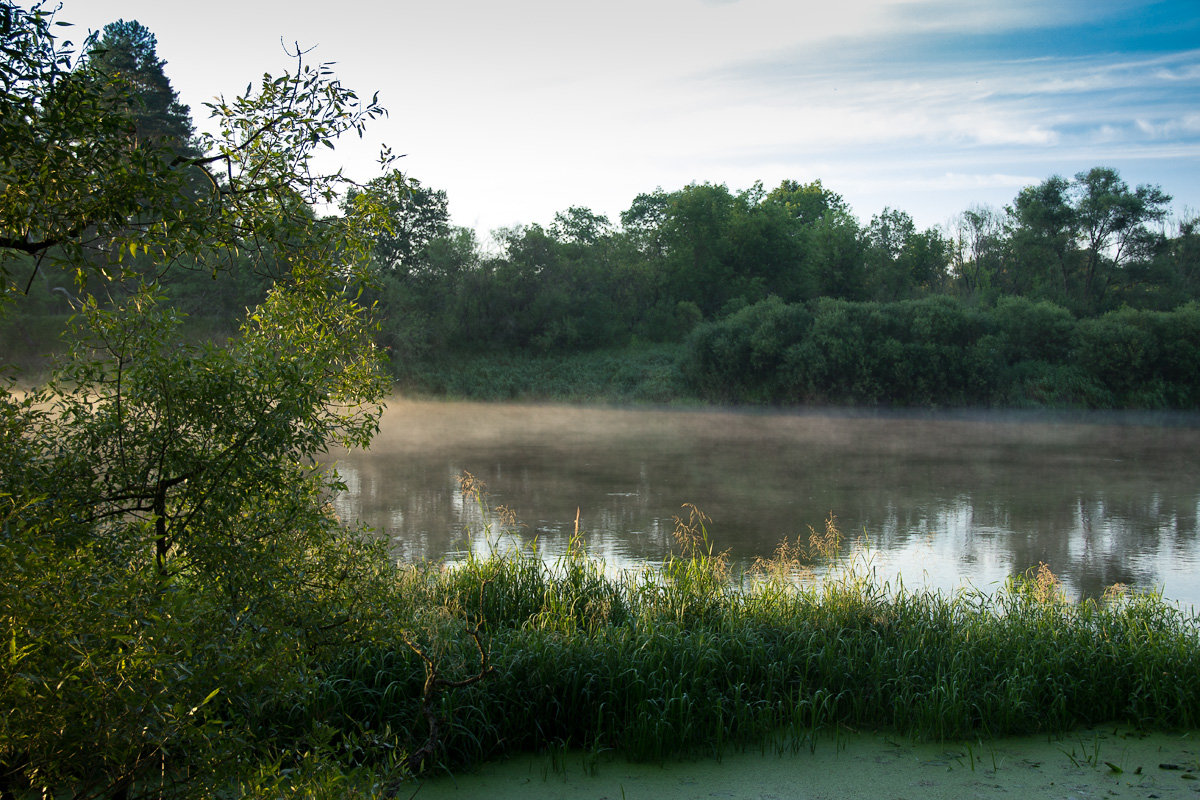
(936, 351)
(1143, 359)
(1032, 331)
(741, 358)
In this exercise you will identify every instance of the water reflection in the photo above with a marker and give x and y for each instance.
(941, 501)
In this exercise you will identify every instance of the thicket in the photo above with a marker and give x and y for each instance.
(941, 351)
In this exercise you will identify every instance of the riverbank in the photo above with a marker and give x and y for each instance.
(675, 663)
(644, 375)
(1110, 762)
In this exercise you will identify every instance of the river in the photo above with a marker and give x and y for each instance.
(938, 501)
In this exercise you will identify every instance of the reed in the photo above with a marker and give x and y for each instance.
(686, 659)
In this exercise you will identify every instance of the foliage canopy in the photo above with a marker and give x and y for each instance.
(163, 520)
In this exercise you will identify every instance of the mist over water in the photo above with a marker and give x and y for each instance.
(941, 500)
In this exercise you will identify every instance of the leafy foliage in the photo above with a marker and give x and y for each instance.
(940, 351)
(170, 562)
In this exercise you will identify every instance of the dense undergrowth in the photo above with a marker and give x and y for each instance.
(934, 352)
(687, 660)
(389, 671)
(938, 351)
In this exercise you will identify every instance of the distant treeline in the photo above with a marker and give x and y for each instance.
(1077, 293)
(699, 254)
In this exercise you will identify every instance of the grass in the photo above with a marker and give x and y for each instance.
(441, 666)
(638, 374)
(688, 660)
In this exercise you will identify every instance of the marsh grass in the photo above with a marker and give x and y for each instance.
(685, 659)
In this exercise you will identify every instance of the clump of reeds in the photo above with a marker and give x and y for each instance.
(686, 658)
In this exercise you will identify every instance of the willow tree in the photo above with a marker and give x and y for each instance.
(163, 531)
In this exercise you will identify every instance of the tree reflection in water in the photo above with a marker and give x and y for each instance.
(940, 500)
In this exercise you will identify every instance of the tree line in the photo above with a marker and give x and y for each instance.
(677, 263)
(701, 253)
(1090, 262)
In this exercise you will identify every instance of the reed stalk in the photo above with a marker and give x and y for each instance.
(686, 659)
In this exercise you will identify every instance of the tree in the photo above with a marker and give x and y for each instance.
(827, 236)
(61, 122)
(697, 246)
(1072, 239)
(725, 250)
(1043, 232)
(415, 216)
(579, 225)
(1173, 273)
(833, 248)
(807, 202)
(978, 249)
(165, 537)
(643, 222)
(887, 236)
(83, 191)
(126, 55)
(1114, 225)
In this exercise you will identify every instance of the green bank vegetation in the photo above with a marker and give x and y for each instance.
(181, 615)
(1079, 293)
(687, 659)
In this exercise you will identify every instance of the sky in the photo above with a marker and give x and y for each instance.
(519, 109)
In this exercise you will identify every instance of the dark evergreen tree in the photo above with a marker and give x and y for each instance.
(127, 58)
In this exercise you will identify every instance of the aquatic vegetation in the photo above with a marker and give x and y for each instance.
(687, 659)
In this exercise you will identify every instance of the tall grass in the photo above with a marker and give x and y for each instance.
(686, 659)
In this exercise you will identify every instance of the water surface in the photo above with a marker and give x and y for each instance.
(940, 500)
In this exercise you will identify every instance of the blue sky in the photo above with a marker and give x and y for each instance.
(522, 108)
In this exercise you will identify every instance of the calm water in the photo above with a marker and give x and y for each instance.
(941, 501)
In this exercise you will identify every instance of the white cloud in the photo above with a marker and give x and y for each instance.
(1189, 124)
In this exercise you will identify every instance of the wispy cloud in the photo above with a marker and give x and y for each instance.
(1187, 125)
(521, 108)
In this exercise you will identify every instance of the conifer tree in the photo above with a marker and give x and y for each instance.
(126, 55)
